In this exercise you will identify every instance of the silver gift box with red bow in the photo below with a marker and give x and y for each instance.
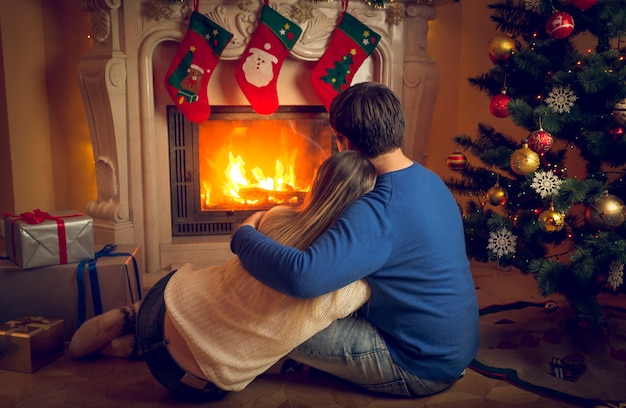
(35, 239)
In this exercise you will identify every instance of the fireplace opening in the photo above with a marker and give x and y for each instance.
(238, 162)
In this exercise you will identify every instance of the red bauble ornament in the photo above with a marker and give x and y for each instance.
(499, 105)
(456, 161)
(583, 4)
(540, 141)
(560, 25)
(617, 132)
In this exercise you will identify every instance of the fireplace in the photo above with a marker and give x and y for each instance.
(238, 162)
(121, 81)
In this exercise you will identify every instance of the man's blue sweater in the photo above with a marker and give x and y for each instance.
(406, 239)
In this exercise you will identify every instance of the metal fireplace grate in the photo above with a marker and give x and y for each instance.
(188, 219)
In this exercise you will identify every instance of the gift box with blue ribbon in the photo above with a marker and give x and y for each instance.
(87, 271)
(73, 292)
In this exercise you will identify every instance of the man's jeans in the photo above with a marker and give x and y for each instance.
(352, 349)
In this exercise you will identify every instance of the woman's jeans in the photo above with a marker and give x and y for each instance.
(352, 349)
(152, 345)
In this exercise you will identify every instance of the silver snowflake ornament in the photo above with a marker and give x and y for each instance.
(502, 242)
(616, 274)
(561, 99)
(546, 183)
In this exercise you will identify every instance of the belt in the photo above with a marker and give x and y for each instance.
(195, 382)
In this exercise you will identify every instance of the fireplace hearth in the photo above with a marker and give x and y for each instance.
(121, 81)
(239, 162)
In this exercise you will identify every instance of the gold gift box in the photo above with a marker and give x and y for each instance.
(29, 343)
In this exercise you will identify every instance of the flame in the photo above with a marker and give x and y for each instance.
(254, 187)
(243, 167)
(250, 189)
(236, 175)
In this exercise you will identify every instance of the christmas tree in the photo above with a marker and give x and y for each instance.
(551, 204)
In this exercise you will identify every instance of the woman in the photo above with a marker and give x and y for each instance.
(204, 332)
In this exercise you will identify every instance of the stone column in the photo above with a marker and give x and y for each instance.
(102, 81)
(421, 80)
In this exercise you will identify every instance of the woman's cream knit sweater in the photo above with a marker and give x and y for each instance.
(236, 327)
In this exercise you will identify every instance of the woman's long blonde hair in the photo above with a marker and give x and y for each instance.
(340, 180)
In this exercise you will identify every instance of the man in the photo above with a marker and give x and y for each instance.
(419, 330)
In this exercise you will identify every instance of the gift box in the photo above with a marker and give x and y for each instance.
(29, 343)
(65, 292)
(37, 238)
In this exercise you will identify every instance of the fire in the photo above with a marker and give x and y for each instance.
(251, 164)
(258, 188)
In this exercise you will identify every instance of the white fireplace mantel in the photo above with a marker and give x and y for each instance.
(121, 83)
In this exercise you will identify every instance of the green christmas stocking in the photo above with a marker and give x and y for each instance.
(258, 69)
(196, 57)
(352, 42)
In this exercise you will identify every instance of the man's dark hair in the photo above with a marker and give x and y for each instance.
(370, 115)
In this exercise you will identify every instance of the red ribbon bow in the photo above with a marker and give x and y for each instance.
(35, 217)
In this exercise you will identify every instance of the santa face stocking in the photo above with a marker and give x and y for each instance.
(257, 72)
(351, 44)
(188, 76)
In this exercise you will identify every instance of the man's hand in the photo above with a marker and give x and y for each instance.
(254, 219)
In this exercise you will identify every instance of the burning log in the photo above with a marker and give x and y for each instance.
(258, 195)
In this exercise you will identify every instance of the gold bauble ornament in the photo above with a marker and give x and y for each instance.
(605, 213)
(524, 160)
(501, 46)
(497, 195)
(551, 221)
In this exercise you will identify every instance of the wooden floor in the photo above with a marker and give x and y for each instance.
(111, 382)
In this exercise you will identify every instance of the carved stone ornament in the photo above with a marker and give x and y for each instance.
(105, 176)
(101, 16)
(436, 2)
(106, 207)
(395, 13)
(166, 9)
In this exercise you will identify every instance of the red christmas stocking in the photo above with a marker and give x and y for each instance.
(199, 52)
(351, 44)
(257, 72)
